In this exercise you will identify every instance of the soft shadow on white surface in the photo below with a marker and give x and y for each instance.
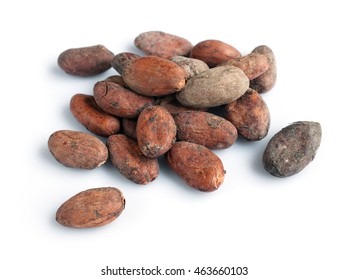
(71, 122)
(253, 150)
(44, 152)
(56, 71)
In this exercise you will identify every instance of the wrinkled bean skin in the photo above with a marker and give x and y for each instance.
(86, 61)
(198, 166)
(290, 150)
(91, 208)
(130, 161)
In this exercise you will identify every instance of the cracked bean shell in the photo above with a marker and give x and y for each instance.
(86, 61)
(116, 79)
(77, 149)
(156, 131)
(214, 87)
(130, 161)
(117, 100)
(198, 166)
(290, 150)
(91, 208)
(153, 76)
(206, 129)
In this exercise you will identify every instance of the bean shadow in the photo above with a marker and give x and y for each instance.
(254, 151)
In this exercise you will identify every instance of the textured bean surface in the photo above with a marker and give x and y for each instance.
(253, 64)
(86, 61)
(130, 161)
(266, 81)
(191, 66)
(119, 61)
(86, 111)
(129, 127)
(116, 79)
(154, 76)
(171, 104)
(156, 131)
(77, 149)
(214, 52)
(290, 150)
(205, 129)
(214, 87)
(119, 101)
(91, 208)
(198, 166)
(249, 114)
(162, 44)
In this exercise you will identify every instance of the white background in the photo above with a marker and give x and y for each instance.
(290, 228)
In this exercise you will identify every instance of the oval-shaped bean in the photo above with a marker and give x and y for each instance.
(290, 150)
(214, 52)
(86, 61)
(77, 149)
(91, 208)
(162, 44)
(198, 166)
(130, 161)
(205, 129)
(118, 100)
(217, 86)
(266, 81)
(253, 64)
(156, 131)
(85, 109)
(249, 114)
(153, 76)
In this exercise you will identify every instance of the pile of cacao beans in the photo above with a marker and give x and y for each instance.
(176, 101)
